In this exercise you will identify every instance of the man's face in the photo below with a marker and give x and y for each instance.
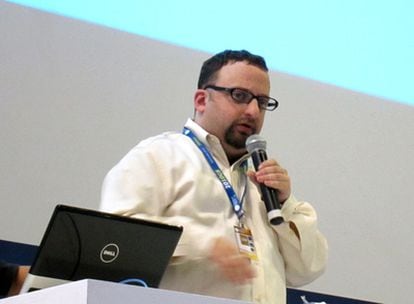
(233, 123)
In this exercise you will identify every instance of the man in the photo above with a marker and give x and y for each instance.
(177, 178)
(12, 277)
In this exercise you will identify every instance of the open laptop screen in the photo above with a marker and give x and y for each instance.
(81, 243)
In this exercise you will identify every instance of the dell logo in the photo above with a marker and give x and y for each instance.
(109, 253)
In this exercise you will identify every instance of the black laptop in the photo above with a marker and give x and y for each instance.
(81, 243)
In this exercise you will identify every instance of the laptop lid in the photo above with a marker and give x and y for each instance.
(81, 243)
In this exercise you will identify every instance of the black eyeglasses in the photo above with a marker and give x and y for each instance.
(243, 96)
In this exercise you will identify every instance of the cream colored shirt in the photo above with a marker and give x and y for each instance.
(166, 178)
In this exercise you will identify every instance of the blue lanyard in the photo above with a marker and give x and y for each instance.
(234, 200)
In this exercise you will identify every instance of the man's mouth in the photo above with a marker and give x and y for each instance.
(246, 128)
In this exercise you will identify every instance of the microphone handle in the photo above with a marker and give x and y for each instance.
(269, 195)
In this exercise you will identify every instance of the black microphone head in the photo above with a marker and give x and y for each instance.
(255, 142)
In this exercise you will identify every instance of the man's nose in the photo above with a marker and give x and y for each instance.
(253, 108)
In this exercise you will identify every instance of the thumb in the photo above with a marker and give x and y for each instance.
(252, 175)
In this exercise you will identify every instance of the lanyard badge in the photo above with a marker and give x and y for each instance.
(245, 242)
(244, 237)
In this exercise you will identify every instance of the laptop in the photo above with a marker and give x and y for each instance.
(81, 243)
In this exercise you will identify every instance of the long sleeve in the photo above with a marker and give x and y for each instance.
(156, 181)
(305, 256)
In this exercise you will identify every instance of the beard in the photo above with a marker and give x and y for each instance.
(237, 139)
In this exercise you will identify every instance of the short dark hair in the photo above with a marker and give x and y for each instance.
(212, 65)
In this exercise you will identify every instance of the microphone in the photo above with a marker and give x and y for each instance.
(256, 146)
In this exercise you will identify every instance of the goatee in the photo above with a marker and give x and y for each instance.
(235, 138)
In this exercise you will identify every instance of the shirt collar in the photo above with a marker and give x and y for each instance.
(201, 134)
(211, 141)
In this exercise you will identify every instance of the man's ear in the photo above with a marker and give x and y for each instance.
(200, 100)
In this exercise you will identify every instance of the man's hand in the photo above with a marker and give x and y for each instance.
(233, 265)
(274, 176)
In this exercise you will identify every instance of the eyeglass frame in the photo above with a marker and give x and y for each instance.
(230, 91)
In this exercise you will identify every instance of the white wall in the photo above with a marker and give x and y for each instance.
(75, 97)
